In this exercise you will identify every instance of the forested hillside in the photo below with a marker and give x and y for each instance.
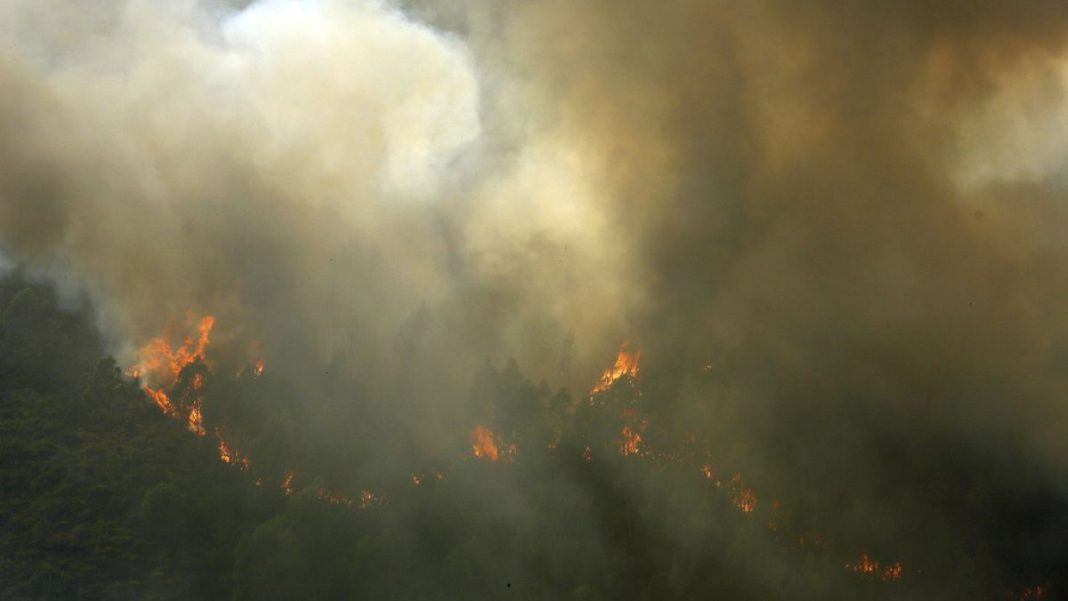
(104, 496)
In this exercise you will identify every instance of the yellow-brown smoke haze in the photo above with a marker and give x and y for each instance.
(308, 165)
(861, 199)
(852, 212)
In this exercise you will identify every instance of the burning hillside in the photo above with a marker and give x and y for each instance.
(690, 477)
(161, 365)
(626, 366)
(174, 369)
(828, 237)
(161, 362)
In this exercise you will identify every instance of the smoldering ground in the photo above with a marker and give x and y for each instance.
(832, 229)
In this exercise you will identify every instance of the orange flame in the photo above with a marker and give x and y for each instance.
(626, 365)
(162, 401)
(630, 443)
(631, 435)
(369, 498)
(742, 497)
(227, 454)
(160, 362)
(195, 421)
(483, 443)
(287, 481)
(160, 365)
(258, 369)
(867, 565)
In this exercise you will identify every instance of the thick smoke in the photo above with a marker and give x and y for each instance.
(833, 229)
(320, 167)
(850, 214)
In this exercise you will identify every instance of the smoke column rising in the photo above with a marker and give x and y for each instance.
(851, 213)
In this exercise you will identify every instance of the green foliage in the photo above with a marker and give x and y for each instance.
(104, 497)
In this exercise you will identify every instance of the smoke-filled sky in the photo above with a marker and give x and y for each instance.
(852, 213)
(315, 166)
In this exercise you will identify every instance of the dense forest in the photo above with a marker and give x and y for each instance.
(107, 497)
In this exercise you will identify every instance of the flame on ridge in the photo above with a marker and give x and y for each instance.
(159, 367)
(626, 365)
(160, 364)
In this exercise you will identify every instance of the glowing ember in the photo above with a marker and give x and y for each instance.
(287, 481)
(258, 369)
(706, 471)
(1031, 593)
(742, 497)
(227, 454)
(892, 571)
(631, 440)
(631, 435)
(867, 565)
(368, 498)
(224, 451)
(195, 421)
(626, 365)
(334, 498)
(419, 479)
(483, 444)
